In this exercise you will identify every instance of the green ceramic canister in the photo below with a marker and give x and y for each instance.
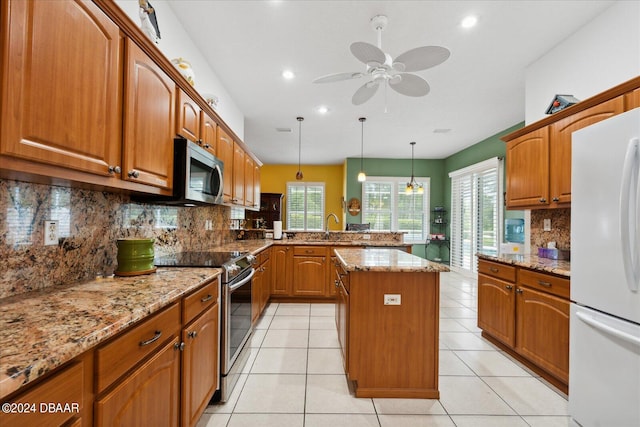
(135, 256)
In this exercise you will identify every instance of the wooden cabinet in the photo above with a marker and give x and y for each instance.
(188, 123)
(62, 85)
(528, 170)
(560, 145)
(148, 395)
(249, 182)
(270, 205)
(238, 175)
(632, 100)
(149, 121)
(224, 150)
(310, 268)
(528, 312)
(200, 364)
(208, 133)
(281, 262)
(341, 281)
(261, 287)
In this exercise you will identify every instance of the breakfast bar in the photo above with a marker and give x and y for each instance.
(387, 318)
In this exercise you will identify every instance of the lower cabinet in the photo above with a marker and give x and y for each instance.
(281, 270)
(147, 396)
(310, 271)
(261, 286)
(528, 311)
(342, 312)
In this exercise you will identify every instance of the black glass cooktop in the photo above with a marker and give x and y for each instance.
(198, 259)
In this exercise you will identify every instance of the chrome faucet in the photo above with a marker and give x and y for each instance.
(326, 231)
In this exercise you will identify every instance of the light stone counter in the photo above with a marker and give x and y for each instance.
(534, 262)
(42, 330)
(389, 260)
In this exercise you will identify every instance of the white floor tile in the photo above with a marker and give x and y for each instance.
(270, 309)
(491, 364)
(229, 405)
(415, 421)
(528, 396)
(323, 310)
(272, 393)
(252, 357)
(264, 322)
(450, 364)
(339, 420)
(323, 338)
(293, 310)
(464, 341)
(325, 361)
(291, 338)
(488, 421)
(457, 313)
(290, 322)
(469, 395)
(322, 322)
(330, 394)
(280, 361)
(256, 337)
(470, 324)
(266, 420)
(213, 420)
(451, 325)
(549, 421)
(408, 406)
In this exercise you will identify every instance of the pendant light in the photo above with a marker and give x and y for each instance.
(299, 175)
(362, 177)
(413, 185)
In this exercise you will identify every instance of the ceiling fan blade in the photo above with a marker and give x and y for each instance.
(410, 85)
(367, 53)
(421, 58)
(330, 78)
(364, 93)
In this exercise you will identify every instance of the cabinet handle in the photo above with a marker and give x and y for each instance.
(493, 269)
(192, 334)
(519, 291)
(509, 287)
(543, 200)
(114, 169)
(337, 283)
(555, 199)
(308, 251)
(207, 298)
(133, 174)
(206, 146)
(155, 338)
(543, 283)
(179, 346)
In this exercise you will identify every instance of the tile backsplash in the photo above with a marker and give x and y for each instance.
(560, 228)
(89, 224)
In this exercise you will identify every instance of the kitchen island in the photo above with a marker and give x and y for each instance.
(387, 318)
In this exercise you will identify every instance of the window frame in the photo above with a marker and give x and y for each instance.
(306, 186)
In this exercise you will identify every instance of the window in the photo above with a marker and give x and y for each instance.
(476, 214)
(387, 208)
(305, 206)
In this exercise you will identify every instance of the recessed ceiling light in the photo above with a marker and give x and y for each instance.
(323, 109)
(288, 74)
(469, 21)
(285, 130)
(441, 130)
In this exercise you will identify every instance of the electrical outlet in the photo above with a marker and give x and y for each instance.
(268, 235)
(208, 224)
(50, 233)
(546, 224)
(392, 299)
(366, 236)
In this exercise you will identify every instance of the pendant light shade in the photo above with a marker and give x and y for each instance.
(362, 177)
(299, 174)
(413, 185)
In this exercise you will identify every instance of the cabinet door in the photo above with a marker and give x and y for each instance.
(266, 284)
(249, 192)
(543, 331)
(309, 275)
(188, 117)
(149, 121)
(632, 100)
(200, 365)
(281, 270)
(208, 133)
(528, 170)
(62, 93)
(342, 324)
(256, 293)
(238, 175)
(496, 308)
(256, 186)
(149, 396)
(560, 146)
(224, 148)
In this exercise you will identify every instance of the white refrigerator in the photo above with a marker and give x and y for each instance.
(604, 345)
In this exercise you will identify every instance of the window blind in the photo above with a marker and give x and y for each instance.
(305, 206)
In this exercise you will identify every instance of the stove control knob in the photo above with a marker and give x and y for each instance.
(252, 259)
(233, 268)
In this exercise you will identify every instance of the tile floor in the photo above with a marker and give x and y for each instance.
(294, 377)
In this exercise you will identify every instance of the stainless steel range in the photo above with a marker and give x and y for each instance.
(237, 273)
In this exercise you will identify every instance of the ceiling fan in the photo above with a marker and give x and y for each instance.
(382, 69)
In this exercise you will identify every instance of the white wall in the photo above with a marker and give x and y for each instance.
(175, 43)
(602, 54)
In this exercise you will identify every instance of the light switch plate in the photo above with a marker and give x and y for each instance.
(546, 224)
(50, 232)
(392, 299)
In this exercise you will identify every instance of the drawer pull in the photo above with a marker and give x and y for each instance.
(494, 270)
(519, 291)
(543, 283)
(509, 287)
(151, 340)
(337, 283)
(192, 334)
(308, 251)
(207, 298)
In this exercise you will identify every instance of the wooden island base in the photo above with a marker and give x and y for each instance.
(388, 329)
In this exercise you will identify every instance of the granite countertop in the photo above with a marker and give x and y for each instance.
(42, 330)
(534, 262)
(389, 260)
(255, 246)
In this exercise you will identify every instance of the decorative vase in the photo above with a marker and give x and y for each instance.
(184, 67)
(135, 256)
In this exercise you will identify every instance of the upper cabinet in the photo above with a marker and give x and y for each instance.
(195, 124)
(149, 121)
(238, 174)
(224, 150)
(538, 157)
(208, 133)
(61, 91)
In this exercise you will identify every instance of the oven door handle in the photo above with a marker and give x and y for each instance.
(243, 281)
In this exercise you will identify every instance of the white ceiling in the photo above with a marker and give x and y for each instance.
(477, 92)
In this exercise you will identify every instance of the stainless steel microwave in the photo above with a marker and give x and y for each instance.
(197, 177)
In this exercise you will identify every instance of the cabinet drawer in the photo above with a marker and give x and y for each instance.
(124, 352)
(310, 251)
(545, 282)
(342, 276)
(498, 270)
(64, 388)
(263, 256)
(197, 302)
